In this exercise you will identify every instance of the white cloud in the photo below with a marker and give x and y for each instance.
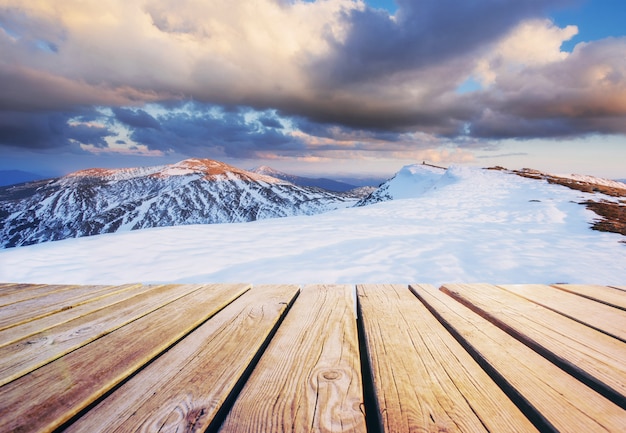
(532, 43)
(216, 49)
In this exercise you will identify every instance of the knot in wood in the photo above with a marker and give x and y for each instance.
(331, 374)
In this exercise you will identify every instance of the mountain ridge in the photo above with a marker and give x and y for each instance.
(193, 191)
(202, 191)
(321, 182)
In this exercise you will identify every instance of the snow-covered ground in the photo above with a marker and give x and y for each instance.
(467, 225)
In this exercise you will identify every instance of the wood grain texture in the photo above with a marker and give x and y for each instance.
(7, 288)
(604, 318)
(48, 397)
(308, 379)
(565, 404)
(597, 356)
(185, 387)
(607, 295)
(32, 309)
(27, 354)
(15, 333)
(24, 292)
(423, 378)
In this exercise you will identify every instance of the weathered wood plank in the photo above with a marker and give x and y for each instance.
(309, 377)
(604, 294)
(563, 402)
(423, 378)
(48, 397)
(6, 288)
(25, 355)
(31, 291)
(184, 388)
(589, 354)
(42, 306)
(619, 287)
(599, 316)
(41, 324)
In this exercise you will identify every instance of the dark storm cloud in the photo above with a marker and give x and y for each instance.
(48, 130)
(198, 131)
(270, 122)
(34, 131)
(136, 118)
(342, 132)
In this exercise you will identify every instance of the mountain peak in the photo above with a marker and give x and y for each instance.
(193, 191)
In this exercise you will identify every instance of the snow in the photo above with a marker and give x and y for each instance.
(596, 180)
(414, 180)
(176, 171)
(459, 225)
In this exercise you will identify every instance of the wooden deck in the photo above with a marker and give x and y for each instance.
(319, 358)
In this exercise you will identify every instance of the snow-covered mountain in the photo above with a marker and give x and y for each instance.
(471, 225)
(410, 182)
(329, 184)
(193, 191)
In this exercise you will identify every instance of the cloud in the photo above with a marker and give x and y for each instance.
(532, 43)
(136, 118)
(206, 130)
(423, 34)
(296, 77)
(584, 93)
(50, 130)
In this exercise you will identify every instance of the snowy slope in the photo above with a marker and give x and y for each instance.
(193, 191)
(471, 226)
(410, 182)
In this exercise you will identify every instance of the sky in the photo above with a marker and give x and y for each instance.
(323, 87)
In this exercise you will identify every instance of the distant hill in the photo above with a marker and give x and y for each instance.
(13, 177)
(410, 182)
(328, 184)
(96, 201)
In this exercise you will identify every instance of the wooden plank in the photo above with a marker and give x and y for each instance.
(9, 287)
(596, 358)
(42, 306)
(309, 377)
(184, 389)
(45, 399)
(619, 287)
(41, 324)
(599, 316)
(555, 400)
(423, 378)
(607, 295)
(25, 355)
(30, 291)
